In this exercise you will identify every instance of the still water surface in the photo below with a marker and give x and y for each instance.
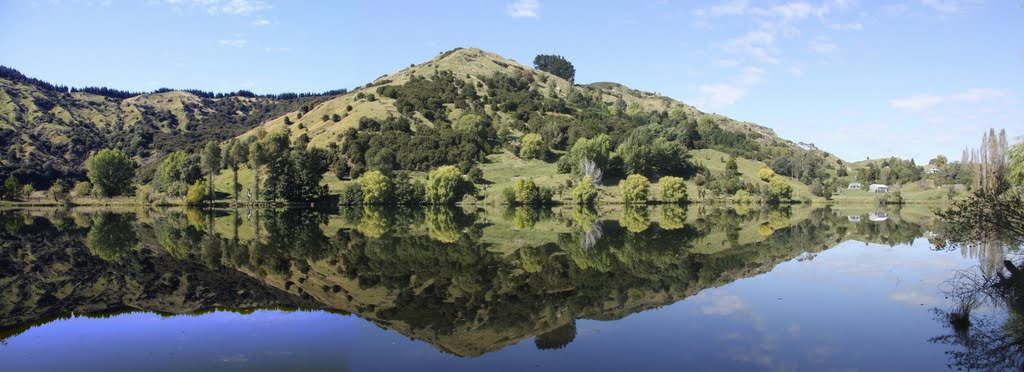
(663, 288)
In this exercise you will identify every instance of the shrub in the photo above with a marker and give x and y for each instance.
(335, 118)
(351, 194)
(197, 193)
(404, 191)
(445, 185)
(59, 191)
(27, 190)
(779, 191)
(508, 196)
(673, 190)
(83, 188)
(584, 192)
(635, 189)
(526, 191)
(533, 147)
(765, 174)
(741, 197)
(145, 194)
(376, 187)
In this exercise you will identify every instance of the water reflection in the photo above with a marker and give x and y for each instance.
(468, 282)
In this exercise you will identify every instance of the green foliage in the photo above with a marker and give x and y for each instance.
(376, 187)
(1016, 167)
(585, 192)
(533, 147)
(765, 174)
(176, 172)
(779, 191)
(645, 152)
(82, 189)
(293, 172)
(636, 189)
(528, 193)
(351, 194)
(597, 149)
(211, 161)
(445, 185)
(406, 191)
(426, 96)
(145, 194)
(673, 190)
(731, 168)
(197, 193)
(11, 189)
(111, 236)
(741, 197)
(556, 65)
(59, 190)
(27, 190)
(110, 172)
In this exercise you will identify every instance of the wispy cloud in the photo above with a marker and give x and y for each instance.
(823, 46)
(758, 44)
(944, 6)
(920, 102)
(230, 7)
(523, 9)
(236, 43)
(727, 94)
(261, 22)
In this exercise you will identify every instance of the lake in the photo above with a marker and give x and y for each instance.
(388, 288)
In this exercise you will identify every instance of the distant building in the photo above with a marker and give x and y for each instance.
(931, 169)
(853, 218)
(854, 186)
(878, 216)
(878, 188)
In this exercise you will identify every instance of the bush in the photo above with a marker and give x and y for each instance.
(406, 192)
(475, 175)
(635, 189)
(335, 118)
(197, 193)
(145, 194)
(59, 191)
(765, 174)
(585, 192)
(779, 191)
(82, 189)
(445, 185)
(351, 194)
(526, 191)
(533, 147)
(27, 190)
(741, 197)
(110, 172)
(376, 187)
(673, 190)
(508, 196)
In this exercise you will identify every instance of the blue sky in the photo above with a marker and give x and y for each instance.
(910, 78)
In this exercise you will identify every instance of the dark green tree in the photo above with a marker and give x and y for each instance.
(556, 65)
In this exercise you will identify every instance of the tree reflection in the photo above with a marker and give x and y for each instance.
(111, 236)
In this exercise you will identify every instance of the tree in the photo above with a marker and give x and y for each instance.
(1017, 164)
(197, 193)
(258, 156)
(647, 153)
(585, 192)
(597, 149)
(83, 188)
(939, 161)
(110, 172)
(765, 174)
(239, 154)
(635, 189)
(376, 187)
(211, 162)
(556, 65)
(12, 188)
(731, 168)
(673, 190)
(444, 185)
(176, 173)
(527, 192)
(779, 191)
(533, 147)
(59, 190)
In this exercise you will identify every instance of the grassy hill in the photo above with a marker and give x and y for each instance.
(48, 131)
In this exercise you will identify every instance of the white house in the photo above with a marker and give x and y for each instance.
(878, 216)
(854, 186)
(931, 169)
(878, 188)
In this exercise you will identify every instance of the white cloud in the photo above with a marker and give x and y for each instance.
(727, 94)
(759, 44)
(523, 9)
(944, 6)
(729, 8)
(237, 43)
(261, 22)
(920, 102)
(855, 26)
(916, 102)
(231, 7)
(823, 46)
